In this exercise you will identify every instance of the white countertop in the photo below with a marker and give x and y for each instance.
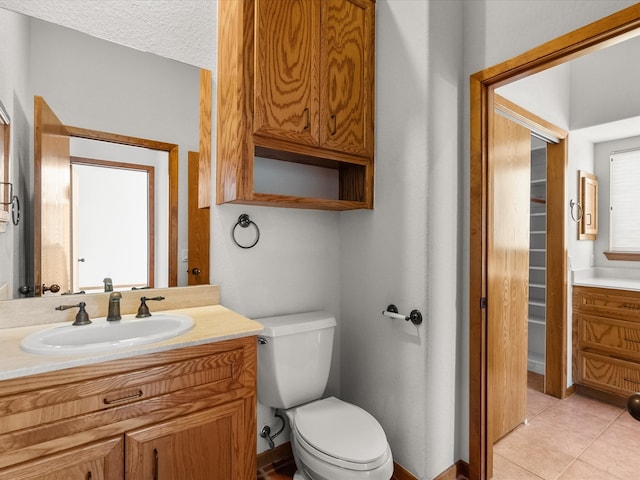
(213, 323)
(604, 277)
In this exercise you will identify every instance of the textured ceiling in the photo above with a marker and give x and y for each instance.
(183, 30)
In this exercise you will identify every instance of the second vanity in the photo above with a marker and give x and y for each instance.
(180, 408)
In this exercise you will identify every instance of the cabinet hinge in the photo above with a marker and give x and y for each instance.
(483, 303)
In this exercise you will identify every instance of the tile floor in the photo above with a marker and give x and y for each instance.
(578, 438)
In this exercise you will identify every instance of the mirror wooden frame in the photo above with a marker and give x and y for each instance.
(608, 31)
(5, 138)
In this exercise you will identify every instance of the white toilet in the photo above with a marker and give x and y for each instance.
(331, 439)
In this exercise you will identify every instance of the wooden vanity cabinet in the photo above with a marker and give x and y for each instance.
(606, 340)
(183, 414)
(296, 84)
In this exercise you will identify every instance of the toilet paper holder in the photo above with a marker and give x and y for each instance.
(392, 312)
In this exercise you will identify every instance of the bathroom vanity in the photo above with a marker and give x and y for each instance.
(182, 408)
(606, 339)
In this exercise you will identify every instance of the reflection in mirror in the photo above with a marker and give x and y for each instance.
(134, 226)
(97, 85)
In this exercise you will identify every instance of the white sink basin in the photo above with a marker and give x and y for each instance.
(101, 335)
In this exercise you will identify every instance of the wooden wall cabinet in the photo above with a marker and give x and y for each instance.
(296, 84)
(187, 413)
(606, 340)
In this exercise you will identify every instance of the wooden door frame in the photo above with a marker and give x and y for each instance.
(598, 35)
(172, 151)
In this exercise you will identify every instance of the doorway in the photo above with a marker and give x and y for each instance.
(113, 225)
(610, 30)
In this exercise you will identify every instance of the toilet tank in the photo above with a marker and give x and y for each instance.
(294, 358)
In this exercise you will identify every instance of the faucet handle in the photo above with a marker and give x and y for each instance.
(143, 309)
(82, 318)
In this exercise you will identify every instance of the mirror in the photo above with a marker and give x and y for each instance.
(99, 86)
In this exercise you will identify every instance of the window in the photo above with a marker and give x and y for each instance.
(624, 229)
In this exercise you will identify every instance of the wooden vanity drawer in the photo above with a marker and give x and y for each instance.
(70, 400)
(606, 301)
(617, 337)
(619, 377)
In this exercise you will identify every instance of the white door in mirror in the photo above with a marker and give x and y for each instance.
(102, 336)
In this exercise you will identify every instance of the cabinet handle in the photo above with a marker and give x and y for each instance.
(307, 119)
(155, 464)
(123, 399)
(334, 128)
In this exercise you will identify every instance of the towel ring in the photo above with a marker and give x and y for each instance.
(15, 210)
(580, 210)
(244, 221)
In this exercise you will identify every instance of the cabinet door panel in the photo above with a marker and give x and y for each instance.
(346, 66)
(197, 446)
(99, 461)
(286, 70)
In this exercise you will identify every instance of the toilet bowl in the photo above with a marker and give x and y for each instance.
(330, 438)
(335, 440)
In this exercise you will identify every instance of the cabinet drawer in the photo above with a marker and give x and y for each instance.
(616, 376)
(610, 302)
(617, 337)
(221, 371)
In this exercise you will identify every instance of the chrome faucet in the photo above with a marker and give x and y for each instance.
(114, 307)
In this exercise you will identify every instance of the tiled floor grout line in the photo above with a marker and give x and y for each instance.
(622, 412)
(576, 458)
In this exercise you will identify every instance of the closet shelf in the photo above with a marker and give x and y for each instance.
(537, 303)
(538, 181)
(538, 200)
(537, 285)
(536, 358)
(537, 321)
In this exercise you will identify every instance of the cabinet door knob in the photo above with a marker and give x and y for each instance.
(334, 125)
(195, 271)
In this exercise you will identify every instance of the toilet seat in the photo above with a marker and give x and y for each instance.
(341, 434)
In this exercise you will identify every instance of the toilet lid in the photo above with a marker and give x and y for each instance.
(341, 430)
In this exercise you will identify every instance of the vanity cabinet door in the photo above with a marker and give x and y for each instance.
(286, 70)
(102, 460)
(347, 73)
(200, 445)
